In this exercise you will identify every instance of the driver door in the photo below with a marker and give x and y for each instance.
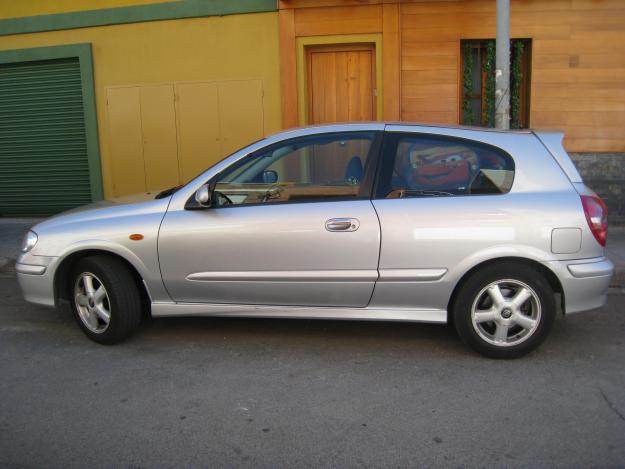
(291, 224)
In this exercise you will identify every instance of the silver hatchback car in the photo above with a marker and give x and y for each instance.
(491, 231)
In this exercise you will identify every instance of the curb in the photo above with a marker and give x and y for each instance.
(7, 267)
(618, 280)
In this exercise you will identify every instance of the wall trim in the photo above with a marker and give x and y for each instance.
(133, 14)
(83, 52)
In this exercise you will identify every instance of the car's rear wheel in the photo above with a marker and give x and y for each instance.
(105, 299)
(504, 310)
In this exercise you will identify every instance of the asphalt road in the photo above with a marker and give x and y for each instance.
(278, 393)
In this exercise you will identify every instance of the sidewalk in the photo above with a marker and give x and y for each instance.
(12, 230)
(615, 251)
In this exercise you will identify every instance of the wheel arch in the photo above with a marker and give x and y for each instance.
(66, 265)
(549, 275)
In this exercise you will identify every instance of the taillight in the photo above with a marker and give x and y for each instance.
(597, 217)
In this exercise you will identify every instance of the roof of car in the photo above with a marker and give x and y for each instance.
(408, 124)
(456, 126)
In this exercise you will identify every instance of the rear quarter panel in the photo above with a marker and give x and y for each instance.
(458, 233)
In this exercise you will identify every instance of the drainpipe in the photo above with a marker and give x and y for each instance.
(502, 66)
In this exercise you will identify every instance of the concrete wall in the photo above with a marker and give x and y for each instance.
(605, 174)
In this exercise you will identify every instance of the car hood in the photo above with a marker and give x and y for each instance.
(128, 205)
(112, 202)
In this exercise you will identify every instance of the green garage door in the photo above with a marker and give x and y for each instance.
(43, 147)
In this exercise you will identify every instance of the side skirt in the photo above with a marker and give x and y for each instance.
(298, 312)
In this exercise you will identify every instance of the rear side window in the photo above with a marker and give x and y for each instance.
(423, 165)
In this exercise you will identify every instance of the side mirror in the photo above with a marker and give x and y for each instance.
(203, 195)
(270, 176)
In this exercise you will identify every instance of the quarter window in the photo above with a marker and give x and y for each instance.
(437, 166)
(319, 167)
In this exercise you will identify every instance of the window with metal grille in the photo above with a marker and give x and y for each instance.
(478, 82)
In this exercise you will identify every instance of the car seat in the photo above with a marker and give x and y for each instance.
(354, 171)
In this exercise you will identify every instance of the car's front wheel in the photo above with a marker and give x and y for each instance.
(504, 310)
(105, 299)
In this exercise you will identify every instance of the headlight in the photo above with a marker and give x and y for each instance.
(29, 241)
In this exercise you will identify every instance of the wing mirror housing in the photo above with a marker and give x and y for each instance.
(203, 195)
(201, 199)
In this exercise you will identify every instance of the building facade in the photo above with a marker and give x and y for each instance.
(129, 97)
(166, 89)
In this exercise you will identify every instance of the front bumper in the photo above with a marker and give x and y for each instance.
(585, 282)
(35, 274)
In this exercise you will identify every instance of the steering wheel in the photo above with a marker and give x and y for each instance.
(272, 193)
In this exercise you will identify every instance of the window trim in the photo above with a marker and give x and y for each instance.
(382, 185)
(366, 187)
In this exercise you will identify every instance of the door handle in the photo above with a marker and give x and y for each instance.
(342, 224)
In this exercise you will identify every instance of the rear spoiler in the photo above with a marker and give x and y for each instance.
(552, 140)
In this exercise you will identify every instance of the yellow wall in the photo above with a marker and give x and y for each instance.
(18, 8)
(237, 47)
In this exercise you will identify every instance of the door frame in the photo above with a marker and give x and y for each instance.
(304, 42)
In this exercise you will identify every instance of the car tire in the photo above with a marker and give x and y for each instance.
(504, 310)
(105, 299)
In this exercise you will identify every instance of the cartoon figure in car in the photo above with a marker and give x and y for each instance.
(441, 167)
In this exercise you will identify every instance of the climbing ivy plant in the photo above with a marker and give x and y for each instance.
(488, 116)
(488, 84)
(516, 77)
(467, 77)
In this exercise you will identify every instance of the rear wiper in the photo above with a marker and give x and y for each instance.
(167, 192)
(416, 193)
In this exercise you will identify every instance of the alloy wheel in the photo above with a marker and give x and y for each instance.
(506, 313)
(92, 302)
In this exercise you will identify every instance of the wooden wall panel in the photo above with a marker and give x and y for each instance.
(310, 18)
(452, 8)
(578, 57)
(578, 63)
(338, 20)
(391, 62)
(287, 4)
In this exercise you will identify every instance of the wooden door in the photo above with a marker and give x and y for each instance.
(341, 83)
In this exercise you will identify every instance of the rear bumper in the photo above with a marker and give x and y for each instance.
(585, 282)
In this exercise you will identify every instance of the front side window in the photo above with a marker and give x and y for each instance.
(425, 166)
(318, 167)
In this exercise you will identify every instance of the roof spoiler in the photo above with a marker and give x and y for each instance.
(552, 141)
